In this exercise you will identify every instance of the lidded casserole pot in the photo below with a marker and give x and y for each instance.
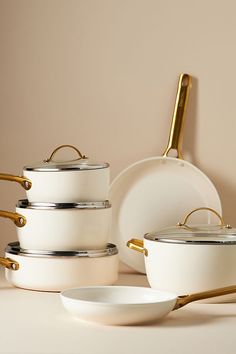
(189, 258)
(54, 181)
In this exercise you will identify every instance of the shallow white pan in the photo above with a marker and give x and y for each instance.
(128, 305)
(157, 192)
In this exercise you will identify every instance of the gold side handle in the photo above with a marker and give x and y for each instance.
(179, 114)
(18, 219)
(222, 224)
(24, 182)
(62, 147)
(186, 299)
(9, 263)
(137, 245)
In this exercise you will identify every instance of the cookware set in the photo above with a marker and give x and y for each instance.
(65, 225)
(63, 228)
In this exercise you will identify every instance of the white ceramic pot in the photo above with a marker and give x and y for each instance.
(51, 181)
(62, 227)
(56, 271)
(187, 259)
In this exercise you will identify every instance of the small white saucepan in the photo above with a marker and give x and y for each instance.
(190, 258)
(51, 181)
(56, 271)
(61, 227)
(128, 305)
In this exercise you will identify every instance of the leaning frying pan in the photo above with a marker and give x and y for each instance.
(156, 192)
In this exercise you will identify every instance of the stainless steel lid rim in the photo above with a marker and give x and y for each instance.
(65, 167)
(180, 240)
(14, 248)
(25, 204)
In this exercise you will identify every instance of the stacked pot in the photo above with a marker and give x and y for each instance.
(63, 226)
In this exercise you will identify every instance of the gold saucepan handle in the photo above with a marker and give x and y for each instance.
(9, 263)
(186, 299)
(177, 125)
(137, 245)
(18, 219)
(23, 181)
(62, 147)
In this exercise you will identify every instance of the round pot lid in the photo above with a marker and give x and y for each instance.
(81, 163)
(25, 204)
(15, 249)
(196, 233)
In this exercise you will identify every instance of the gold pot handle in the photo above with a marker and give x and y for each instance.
(9, 263)
(18, 219)
(222, 224)
(137, 245)
(186, 299)
(62, 147)
(24, 182)
(178, 120)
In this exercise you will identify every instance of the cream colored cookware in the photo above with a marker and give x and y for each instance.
(62, 227)
(156, 192)
(52, 181)
(56, 271)
(126, 305)
(189, 258)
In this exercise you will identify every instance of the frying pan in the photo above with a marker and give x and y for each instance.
(156, 192)
(128, 305)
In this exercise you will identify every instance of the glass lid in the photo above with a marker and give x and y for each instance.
(185, 232)
(82, 162)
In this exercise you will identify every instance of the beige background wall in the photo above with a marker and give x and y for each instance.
(102, 75)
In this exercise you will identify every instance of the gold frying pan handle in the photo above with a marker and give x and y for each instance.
(9, 263)
(186, 299)
(137, 245)
(177, 125)
(24, 182)
(18, 219)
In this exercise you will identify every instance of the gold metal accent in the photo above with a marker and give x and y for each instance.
(186, 299)
(137, 245)
(9, 263)
(177, 125)
(63, 146)
(19, 220)
(222, 224)
(24, 182)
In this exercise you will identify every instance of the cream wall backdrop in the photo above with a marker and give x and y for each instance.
(102, 75)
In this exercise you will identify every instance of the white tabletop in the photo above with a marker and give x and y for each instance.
(35, 322)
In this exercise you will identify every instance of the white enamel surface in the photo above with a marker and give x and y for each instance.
(64, 229)
(57, 274)
(153, 194)
(189, 268)
(118, 305)
(68, 186)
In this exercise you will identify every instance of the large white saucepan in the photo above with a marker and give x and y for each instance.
(127, 305)
(156, 192)
(71, 181)
(56, 271)
(190, 258)
(61, 227)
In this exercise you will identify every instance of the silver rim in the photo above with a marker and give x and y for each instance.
(25, 204)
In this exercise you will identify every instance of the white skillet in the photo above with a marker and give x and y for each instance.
(155, 193)
(128, 305)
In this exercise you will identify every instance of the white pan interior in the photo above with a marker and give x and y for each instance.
(118, 305)
(156, 193)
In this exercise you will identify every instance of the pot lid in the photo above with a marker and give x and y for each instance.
(80, 164)
(196, 234)
(14, 248)
(25, 204)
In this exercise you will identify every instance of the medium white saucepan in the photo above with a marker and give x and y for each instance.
(156, 192)
(56, 271)
(71, 181)
(62, 227)
(190, 258)
(127, 305)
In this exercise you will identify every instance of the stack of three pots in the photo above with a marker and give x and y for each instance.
(63, 226)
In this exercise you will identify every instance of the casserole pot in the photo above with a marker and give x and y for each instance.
(55, 271)
(56, 227)
(64, 181)
(185, 259)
